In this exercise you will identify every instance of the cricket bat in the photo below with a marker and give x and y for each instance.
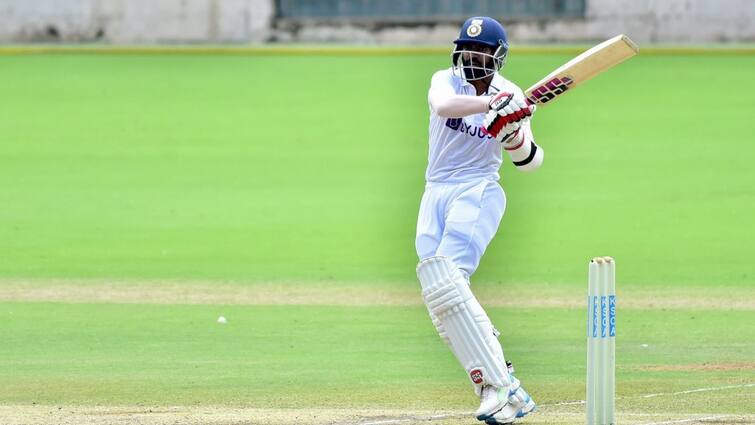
(582, 68)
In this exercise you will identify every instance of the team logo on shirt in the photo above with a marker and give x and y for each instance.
(458, 124)
(475, 28)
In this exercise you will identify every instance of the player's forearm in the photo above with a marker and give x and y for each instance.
(457, 105)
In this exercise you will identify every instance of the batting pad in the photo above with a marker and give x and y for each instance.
(443, 334)
(468, 329)
(439, 327)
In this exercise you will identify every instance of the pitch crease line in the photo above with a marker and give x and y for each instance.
(699, 390)
(691, 420)
(567, 403)
(416, 418)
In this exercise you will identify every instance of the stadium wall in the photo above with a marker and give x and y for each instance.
(254, 21)
(135, 21)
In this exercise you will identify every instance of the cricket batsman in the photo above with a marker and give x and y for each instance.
(475, 115)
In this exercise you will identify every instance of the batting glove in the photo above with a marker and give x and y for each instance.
(506, 115)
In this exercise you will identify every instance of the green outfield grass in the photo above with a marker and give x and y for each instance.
(248, 172)
(240, 167)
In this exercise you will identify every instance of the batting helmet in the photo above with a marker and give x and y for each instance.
(485, 31)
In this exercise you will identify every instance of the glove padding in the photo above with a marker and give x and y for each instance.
(506, 116)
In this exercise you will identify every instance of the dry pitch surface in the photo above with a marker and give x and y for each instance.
(161, 415)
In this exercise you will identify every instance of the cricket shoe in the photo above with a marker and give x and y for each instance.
(494, 399)
(519, 404)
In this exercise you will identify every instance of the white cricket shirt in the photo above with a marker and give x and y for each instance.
(459, 151)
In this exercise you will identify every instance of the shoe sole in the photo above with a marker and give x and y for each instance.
(490, 415)
(529, 407)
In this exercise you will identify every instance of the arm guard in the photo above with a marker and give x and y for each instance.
(525, 154)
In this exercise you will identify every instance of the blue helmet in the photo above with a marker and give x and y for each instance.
(480, 30)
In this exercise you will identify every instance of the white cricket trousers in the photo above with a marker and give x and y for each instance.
(458, 221)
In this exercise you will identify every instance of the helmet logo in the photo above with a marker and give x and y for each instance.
(475, 28)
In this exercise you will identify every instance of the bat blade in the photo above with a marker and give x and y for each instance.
(582, 68)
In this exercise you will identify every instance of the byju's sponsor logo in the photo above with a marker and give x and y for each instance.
(458, 124)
